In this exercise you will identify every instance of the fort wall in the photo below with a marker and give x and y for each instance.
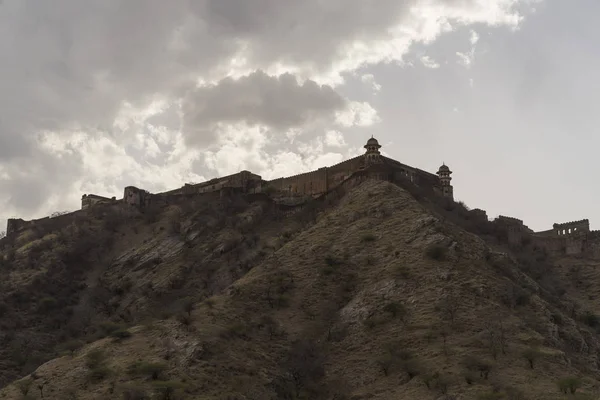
(478, 214)
(16, 225)
(310, 183)
(89, 200)
(568, 228)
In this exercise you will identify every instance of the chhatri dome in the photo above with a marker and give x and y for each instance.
(372, 143)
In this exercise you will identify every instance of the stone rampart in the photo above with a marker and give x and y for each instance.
(310, 183)
(568, 228)
(15, 225)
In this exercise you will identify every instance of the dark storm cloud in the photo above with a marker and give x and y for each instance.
(258, 99)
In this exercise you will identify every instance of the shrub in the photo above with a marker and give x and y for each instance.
(514, 393)
(531, 355)
(492, 396)
(470, 377)
(332, 261)
(368, 237)
(436, 381)
(569, 384)
(166, 390)
(210, 302)
(71, 346)
(411, 367)
(95, 358)
(120, 334)
(47, 304)
(24, 385)
(153, 370)
(184, 319)
(385, 363)
(591, 319)
(99, 373)
(188, 305)
(396, 309)
(475, 364)
(372, 321)
(436, 252)
(107, 328)
(132, 392)
(403, 272)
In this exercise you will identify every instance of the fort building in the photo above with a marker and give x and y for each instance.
(287, 191)
(298, 188)
(88, 200)
(564, 238)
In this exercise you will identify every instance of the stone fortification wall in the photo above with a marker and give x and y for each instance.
(15, 225)
(136, 197)
(337, 173)
(246, 180)
(89, 200)
(593, 244)
(568, 228)
(310, 183)
(478, 214)
(552, 244)
(514, 227)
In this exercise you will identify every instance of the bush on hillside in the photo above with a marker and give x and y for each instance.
(436, 252)
(532, 355)
(153, 370)
(368, 237)
(569, 384)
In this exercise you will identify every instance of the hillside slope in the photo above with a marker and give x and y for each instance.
(374, 297)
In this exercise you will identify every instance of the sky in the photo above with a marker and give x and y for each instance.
(96, 95)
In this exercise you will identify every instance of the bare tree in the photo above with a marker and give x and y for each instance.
(449, 307)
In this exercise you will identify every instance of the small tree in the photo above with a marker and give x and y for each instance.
(188, 305)
(396, 309)
(72, 346)
(436, 252)
(153, 370)
(385, 362)
(531, 355)
(475, 364)
(24, 385)
(120, 334)
(166, 390)
(133, 392)
(449, 307)
(569, 384)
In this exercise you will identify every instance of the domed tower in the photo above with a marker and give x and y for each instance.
(444, 175)
(372, 155)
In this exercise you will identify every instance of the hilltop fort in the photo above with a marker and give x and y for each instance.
(294, 191)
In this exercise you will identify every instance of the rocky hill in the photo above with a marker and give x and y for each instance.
(370, 295)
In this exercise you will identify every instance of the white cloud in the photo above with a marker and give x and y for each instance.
(334, 139)
(429, 63)
(357, 113)
(369, 79)
(466, 59)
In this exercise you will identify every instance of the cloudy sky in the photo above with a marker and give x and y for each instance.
(96, 95)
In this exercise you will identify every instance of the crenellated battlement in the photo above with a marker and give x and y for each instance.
(573, 227)
(571, 223)
(510, 220)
